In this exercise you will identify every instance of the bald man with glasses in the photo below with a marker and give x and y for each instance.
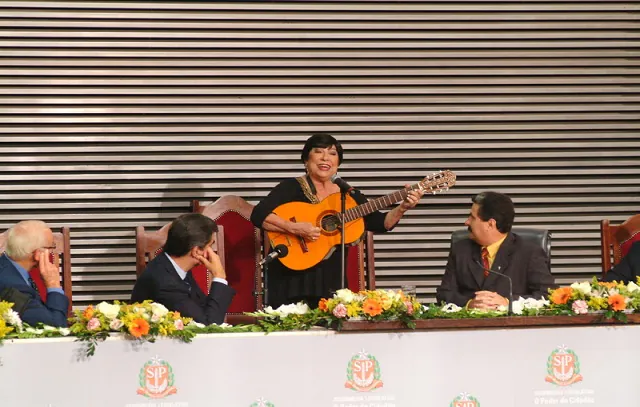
(29, 244)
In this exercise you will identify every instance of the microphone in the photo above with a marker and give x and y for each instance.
(344, 186)
(510, 305)
(278, 251)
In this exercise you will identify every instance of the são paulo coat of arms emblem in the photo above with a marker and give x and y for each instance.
(465, 400)
(563, 367)
(156, 379)
(363, 372)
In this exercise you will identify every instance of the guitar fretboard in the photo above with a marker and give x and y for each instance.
(377, 204)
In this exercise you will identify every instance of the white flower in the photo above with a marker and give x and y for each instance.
(49, 328)
(196, 324)
(284, 311)
(522, 304)
(584, 287)
(632, 287)
(33, 330)
(613, 291)
(393, 295)
(155, 318)
(345, 295)
(451, 307)
(110, 311)
(159, 309)
(517, 307)
(64, 331)
(13, 318)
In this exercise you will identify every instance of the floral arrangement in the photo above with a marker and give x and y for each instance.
(613, 299)
(9, 320)
(373, 305)
(148, 320)
(285, 318)
(141, 321)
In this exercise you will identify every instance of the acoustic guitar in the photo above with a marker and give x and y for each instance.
(303, 254)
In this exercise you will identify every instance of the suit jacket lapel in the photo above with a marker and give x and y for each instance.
(501, 262)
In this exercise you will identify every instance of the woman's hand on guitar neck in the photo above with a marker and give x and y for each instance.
(306, 230)
(412, 199)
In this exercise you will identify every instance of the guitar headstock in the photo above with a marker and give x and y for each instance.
(438, 182)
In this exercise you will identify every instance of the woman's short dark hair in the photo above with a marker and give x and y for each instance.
(497, 206)
(189, 231)
(320, 141)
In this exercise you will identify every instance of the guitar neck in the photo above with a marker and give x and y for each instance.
(377, 204)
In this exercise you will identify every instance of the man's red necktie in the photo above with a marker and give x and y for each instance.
(485, 261)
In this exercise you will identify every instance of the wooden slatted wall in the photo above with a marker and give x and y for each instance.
(118, 113)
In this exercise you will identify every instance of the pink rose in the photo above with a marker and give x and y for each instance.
(93, 324)
(409, 306)
(178, 324)
(340, 311)
(580, 307)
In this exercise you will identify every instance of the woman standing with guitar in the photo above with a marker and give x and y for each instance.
(321, 155)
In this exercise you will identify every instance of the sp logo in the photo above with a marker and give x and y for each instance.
(465, 400)
(363, 373)
(563, 367)
(156, 379)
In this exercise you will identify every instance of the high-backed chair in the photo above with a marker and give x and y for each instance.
(616, 240)
(361, 271)
(540, 237)
(242, 242)
(149, 245)
(62, 242)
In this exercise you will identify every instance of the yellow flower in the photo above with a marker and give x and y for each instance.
(386, 302)
(353, 309)
(597, 303)
(4, 329)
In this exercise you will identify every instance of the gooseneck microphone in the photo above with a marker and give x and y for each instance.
(278, 251)
(510, 305)
(344, 186)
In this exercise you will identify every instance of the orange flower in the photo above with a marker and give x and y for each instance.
(139, 327)
(371, 307)
(88, 312)
(561, 295)
(612, 284)
(617, 302)
(323, 305)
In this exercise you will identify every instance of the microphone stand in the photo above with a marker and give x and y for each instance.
(343, 204)
(265, 282)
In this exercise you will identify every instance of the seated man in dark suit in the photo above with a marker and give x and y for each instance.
(629, 267)
(491, 245)
(28, 245)
(167, 278)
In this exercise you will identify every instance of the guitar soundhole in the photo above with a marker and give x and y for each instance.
(330, 223)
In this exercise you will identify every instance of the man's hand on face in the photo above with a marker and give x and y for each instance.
(212, 262)
(50, 271)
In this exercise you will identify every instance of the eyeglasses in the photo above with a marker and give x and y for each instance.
(51, 248)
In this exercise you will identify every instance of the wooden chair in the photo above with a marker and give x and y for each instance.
(62, 242)
(616, 240)
(242, 242)
(149, 245)
(361, 272)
